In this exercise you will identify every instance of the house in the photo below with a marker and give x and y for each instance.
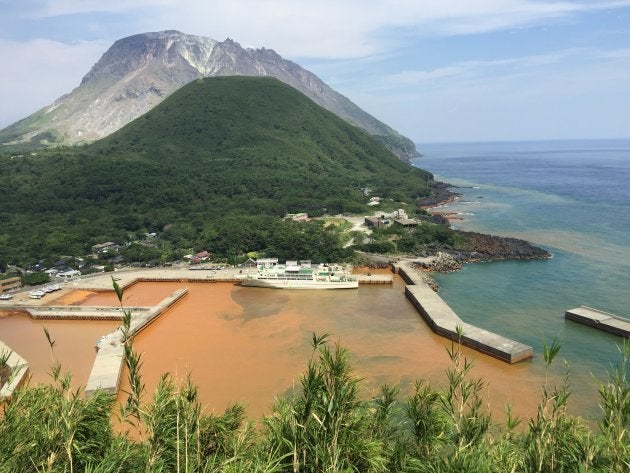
(199, 257)
(104, 247)
(376, 222)
(250, 263)
(8, 284)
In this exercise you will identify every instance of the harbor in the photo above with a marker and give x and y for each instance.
(243, 343)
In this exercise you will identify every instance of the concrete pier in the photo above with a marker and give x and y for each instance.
(374, 278)
(600, 320)
(81, 312)
(107, 366)
(444, 321)
(19, 371)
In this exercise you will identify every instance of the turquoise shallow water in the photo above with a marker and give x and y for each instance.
(570, 197)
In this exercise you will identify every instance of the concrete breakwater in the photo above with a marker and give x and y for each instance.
(81, 312)
(107, 366)
(599, 319)
(445, 322)
(18, 369)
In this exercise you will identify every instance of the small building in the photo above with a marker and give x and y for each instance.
(299, 217)
(9, 284)
(376, 222)
(199, 257)
(250, 263)
(405, 222)
(104, 247)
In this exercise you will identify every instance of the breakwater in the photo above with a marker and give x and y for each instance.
(18, 369)
(445, 322)
(107, 366)
(600, 320)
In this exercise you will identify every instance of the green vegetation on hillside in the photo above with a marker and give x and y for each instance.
(216, 148)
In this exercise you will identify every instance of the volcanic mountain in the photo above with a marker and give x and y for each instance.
(139, 71)
(217, 148)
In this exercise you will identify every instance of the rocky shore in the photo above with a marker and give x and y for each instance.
(441, 193)
(483, 247)
(477, 247)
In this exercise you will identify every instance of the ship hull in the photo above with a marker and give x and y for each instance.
(297, 284)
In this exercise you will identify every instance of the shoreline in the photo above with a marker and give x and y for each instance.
(483, 247)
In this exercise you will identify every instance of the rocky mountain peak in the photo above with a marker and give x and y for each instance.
(138, 72)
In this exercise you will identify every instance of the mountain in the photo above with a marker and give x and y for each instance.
(216, 149)
(139, 71)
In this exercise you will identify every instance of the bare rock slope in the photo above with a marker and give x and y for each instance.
(139, 71)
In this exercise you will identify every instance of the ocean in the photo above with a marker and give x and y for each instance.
(569, 197)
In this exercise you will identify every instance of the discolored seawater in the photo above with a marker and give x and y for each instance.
(572, 198)
(251, 344)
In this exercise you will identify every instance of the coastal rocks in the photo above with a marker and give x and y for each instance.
(442, 262)
(441, 194)
(481, 247)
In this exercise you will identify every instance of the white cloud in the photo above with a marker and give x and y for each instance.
(564, 94)
(38, 71)
(332, 29)
(464, 70)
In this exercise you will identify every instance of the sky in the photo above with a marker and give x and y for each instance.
(435, 70)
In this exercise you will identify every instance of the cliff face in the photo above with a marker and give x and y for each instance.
(138, 72)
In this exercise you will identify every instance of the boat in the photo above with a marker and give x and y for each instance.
(36, 294)
(298, 275)
(5, 297)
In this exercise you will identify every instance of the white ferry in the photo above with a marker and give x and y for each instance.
(298, 275)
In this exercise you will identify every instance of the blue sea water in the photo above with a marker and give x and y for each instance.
(570, 197)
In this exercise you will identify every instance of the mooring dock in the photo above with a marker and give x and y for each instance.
(444, 321)
(600, 320)
(107, 366)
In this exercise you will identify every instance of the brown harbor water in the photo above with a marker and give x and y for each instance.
(251, 344)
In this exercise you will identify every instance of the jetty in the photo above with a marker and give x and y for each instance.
(18, 370)
(108, 364)
(374, 278)
(81, 312)
(445, 322)
(600, 320)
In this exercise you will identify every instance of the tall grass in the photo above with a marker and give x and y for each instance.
(323, 426)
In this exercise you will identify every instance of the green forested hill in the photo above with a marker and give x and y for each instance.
(218, 147)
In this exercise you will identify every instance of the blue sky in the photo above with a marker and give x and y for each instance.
(435, 70)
